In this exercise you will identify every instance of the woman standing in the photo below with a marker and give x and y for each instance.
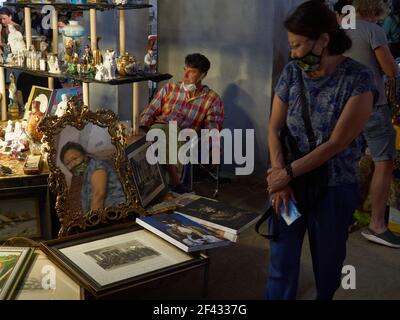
(339, 94)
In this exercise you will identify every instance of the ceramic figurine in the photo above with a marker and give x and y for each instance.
(150, 59)
(12, 94)
(34, 119)
(62, 106)
(110, 64)
(15, 40)
(100, 72)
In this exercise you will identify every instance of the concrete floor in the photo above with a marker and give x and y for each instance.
(239, 271)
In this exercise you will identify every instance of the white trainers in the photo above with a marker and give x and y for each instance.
(386, 238)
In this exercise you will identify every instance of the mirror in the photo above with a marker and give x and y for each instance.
(88, 168)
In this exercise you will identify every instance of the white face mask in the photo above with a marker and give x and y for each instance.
(190, 87)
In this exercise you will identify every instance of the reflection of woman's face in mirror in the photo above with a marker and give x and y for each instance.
(72, 160)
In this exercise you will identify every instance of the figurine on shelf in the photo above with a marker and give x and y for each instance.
(15, 40)
(12, 94)
(52, 62)
(62, 106)
(34, 119)
(87, 57)
(110, 64)
(150, 59)
(100, 72)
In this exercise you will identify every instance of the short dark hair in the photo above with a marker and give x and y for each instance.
(72, 146)
(313, 18)
(198, 61)
(6, 11)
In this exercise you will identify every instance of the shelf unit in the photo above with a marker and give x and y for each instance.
(92, 8)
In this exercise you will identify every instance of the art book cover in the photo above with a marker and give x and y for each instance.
(182, 232)
(219, 215)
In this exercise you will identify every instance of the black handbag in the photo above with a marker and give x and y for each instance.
(310, 187)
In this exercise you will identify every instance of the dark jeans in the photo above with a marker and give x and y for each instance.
(327, 226)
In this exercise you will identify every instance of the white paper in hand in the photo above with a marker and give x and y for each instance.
(293, 215)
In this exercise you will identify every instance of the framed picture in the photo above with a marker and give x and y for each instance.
(13, 264)
(59, 99)
(87, 163)
(41, 94)
(120, 259)
(54, 284)
(148, 178)
(24, 212)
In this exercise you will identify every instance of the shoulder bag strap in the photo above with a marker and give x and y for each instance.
(312, 141)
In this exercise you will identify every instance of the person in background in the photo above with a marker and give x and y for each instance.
(101, 186)
(340, 99)
(190, 103)
(6, 20)
(391, 25)
(370, 47)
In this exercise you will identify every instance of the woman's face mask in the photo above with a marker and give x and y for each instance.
(309, 62)
(80, 169)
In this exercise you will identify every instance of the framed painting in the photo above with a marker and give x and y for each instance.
(119, 259)
(13, 264)
(60, 98)
(41, 94)
(88, 168)
(24, 212)
(148, 178)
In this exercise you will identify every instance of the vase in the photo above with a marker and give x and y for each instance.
(73, 30)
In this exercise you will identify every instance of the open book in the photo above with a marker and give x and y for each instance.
(182, 232)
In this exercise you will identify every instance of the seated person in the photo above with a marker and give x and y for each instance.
(190, 103)
(101, 186)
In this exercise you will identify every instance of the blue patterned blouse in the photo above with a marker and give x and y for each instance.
(328, 96)
(115, 193)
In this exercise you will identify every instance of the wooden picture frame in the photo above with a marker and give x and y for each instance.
(43, 95)
(112, 260)
(24, 212)
(13, 265)
(87, 127)
(148, 178)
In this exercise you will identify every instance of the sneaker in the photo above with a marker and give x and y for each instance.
(386, 238)
(181, 189)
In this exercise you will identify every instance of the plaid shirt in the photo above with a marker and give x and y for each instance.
(205, 111)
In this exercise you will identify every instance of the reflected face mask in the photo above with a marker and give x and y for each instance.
(80, 169)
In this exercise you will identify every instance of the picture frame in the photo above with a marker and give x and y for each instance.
(101, 141)
(59, 286)
(148, 178)
(13, 265)
(119, 258)
(41, 94)
(24, 212)
(56, 98)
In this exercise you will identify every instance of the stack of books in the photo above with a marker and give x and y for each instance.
(200, 224)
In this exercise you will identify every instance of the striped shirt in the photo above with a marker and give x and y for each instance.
(204, 111)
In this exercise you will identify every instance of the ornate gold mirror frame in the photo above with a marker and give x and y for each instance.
(78, 117)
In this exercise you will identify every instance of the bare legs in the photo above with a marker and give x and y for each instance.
(380, 187)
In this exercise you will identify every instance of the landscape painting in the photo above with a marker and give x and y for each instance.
(19, 218)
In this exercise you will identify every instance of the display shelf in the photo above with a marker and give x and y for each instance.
(77, 7)
(138, 77)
